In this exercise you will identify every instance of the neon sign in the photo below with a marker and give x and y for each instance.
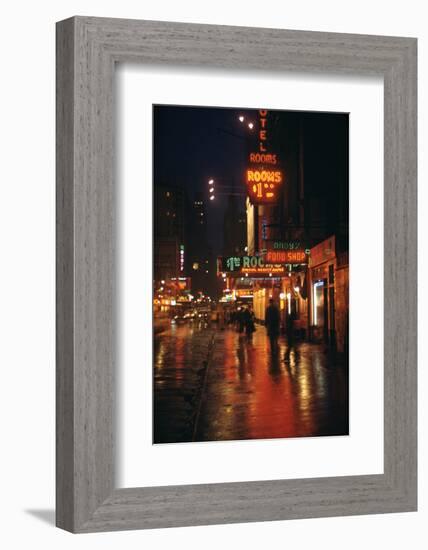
(235, 263)
(262, 132)
(242, 265)
(287, 245)
(270, 270)
(263, 158)
(263, 186)
(264, 176)
(272, 258)
(262, 179)
(287, 256)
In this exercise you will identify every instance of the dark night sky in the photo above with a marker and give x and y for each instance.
(194, 144)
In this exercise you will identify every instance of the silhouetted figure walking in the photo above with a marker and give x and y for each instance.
(290, 328)
(272, 322)
(241, 320)
(248, 316)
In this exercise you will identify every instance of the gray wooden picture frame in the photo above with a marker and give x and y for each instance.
(87, 50)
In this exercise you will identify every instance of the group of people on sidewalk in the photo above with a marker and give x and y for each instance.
(244, 320)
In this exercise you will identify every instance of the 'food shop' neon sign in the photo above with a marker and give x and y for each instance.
(287, 256)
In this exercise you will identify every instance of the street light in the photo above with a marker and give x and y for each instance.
(250, 124)
(211, 189)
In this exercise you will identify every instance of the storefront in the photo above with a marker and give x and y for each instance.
(329, 294)
(294, 303)
(321, 269)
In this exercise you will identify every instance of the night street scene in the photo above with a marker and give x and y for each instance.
(250, 274)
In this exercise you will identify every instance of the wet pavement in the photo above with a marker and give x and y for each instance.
(215, 384)
(180, 362)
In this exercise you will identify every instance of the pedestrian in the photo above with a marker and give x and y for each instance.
(272, 322)
(227, 316)
(241, 319)
(290, 328)
(249, 322)
(221, 317)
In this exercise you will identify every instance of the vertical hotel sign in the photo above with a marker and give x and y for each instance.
(263, 176)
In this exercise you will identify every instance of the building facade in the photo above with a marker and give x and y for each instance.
(328, 283)
(310, 214)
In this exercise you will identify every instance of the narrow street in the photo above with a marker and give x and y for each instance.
(213, 384)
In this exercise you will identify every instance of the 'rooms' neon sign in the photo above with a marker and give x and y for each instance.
(264, 179)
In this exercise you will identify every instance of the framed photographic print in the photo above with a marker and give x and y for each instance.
(236, 274)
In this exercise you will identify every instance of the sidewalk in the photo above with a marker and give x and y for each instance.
(180, 360)
(250, 393)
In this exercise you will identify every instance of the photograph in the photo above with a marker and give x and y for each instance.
(210, 301)
(250, 274)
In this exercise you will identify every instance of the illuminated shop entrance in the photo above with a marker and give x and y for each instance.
(319, 310)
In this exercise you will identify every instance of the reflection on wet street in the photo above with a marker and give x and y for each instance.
(180, 355)
(222, 385)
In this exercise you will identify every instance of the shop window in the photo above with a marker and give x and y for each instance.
(318, 304)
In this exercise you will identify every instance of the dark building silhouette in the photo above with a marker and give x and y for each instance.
(234, 228)
(200, 252)
(170, 234)
(313, 153)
